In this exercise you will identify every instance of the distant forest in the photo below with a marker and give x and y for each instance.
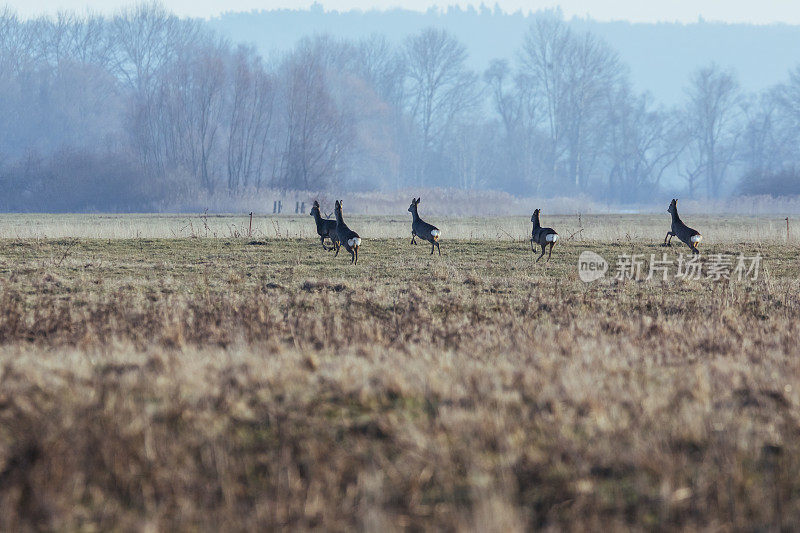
(660, 56)
(147, 111)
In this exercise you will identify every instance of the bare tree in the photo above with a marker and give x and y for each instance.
(546, 48)
(787, 95)
(383, 67)
(573, 74)
(147, 43)
(712, 116)
(19, 48)
(521, 110)
(439, 87)
(769, 135)
(642, 143)
(85, 40)
(250, 120)
(316, 134)
(195, 96)
(772, 132)
(147, 38)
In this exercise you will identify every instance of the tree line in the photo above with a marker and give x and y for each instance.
(144, 109)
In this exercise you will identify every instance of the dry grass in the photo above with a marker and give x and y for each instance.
(185, 384)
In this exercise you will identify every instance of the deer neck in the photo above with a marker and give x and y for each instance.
(338, 213)
(317, 216)
(536, 223)
(675, 217)
(414, 213)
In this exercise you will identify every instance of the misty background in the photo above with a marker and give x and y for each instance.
(145, 111)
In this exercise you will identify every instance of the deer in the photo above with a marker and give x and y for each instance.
(345, 236)
(325, 227)
(542, 236)
(690, 237)
(423, 230)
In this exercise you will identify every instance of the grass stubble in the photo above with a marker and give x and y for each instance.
(206, 384)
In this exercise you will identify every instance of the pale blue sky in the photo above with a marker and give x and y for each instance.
(761, 12)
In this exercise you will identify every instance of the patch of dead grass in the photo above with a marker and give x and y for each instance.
(208, 384)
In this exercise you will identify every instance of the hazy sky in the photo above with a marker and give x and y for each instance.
(761, 12)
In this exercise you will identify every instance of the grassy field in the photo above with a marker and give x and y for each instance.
(604, 228)
(233, 383)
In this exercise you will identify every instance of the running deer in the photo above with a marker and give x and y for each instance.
(345, 236)
(325, 227)
(691, 237)
(542, 236)
(423, 230)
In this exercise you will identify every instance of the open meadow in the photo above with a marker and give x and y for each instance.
(173, 373)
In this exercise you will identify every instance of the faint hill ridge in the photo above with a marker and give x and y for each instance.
(660, 55)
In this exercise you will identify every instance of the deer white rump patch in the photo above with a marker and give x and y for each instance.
(551, 237)
(697, 238)
(354, 242)
(435, 233)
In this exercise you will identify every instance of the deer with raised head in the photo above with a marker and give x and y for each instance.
(542, 236)
(346, 237)
(690, 237)
(325, 227)
(423, 230)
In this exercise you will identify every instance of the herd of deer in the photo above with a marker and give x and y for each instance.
(341, 235)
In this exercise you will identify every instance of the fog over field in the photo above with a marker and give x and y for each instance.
(142, 110)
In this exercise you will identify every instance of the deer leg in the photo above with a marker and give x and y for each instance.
(336, 247)
(543, 248)
(439, 248)
(356, 251)
(322, 242)
(352, 256)
(669, 234)
(551, 251)
(433, 245)
(532, 250)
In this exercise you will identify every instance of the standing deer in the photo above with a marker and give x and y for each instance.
(542, 236)
(345, 236)
(325, 227)
(691, 237)
(423, 230)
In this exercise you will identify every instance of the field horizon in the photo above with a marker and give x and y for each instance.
(633, 228)
(207, 379)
